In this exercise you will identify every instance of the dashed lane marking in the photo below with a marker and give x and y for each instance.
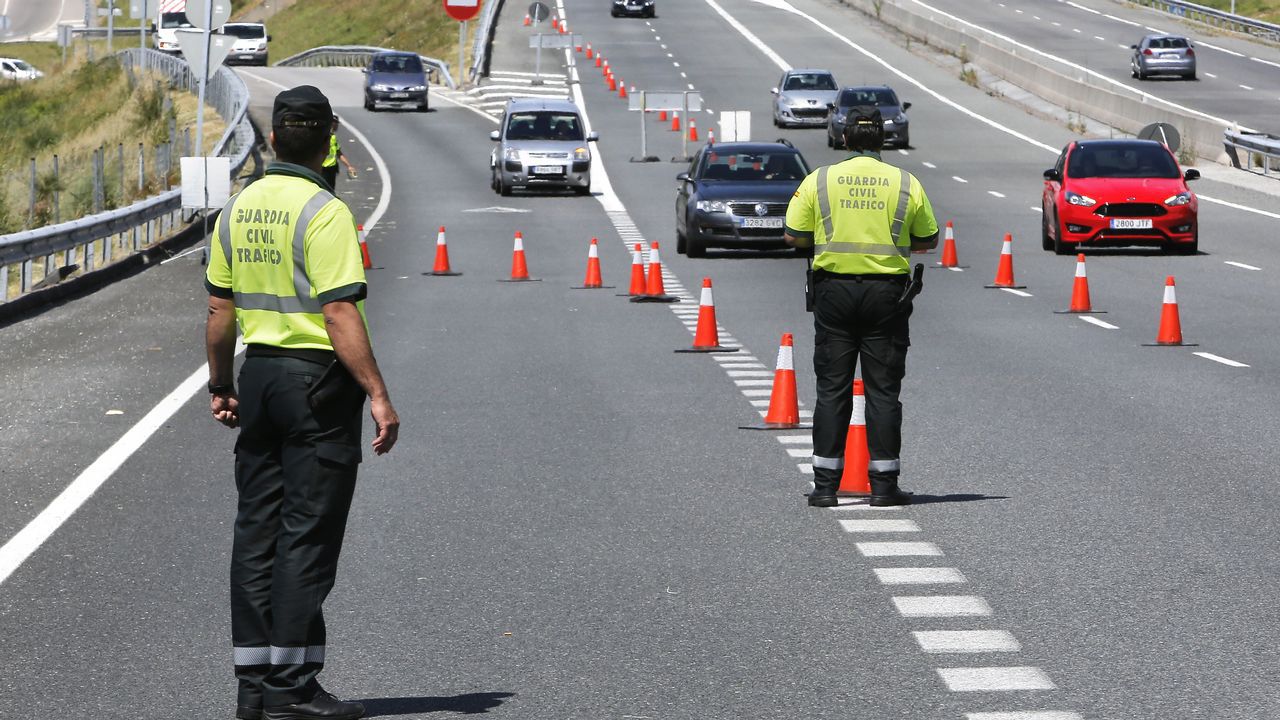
(879, 526)
(930, 165)
(1028, 715)
(1100, 323)
(959, 179)
(967, 641)
(1019, 293)
(1240, 265)
(993, 679)
(942, 606)
(1211, 75)
(919, 576)
(1219, 359)
(995, 194)
(1245, 87)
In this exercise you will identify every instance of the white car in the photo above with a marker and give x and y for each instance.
(15, 69)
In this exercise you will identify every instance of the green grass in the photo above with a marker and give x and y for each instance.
(1268, 10)
(414, 25)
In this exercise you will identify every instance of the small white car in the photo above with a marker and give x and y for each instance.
(15, 69)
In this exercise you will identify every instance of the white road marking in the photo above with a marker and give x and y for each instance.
(750, 373)
(691, 87)
(898, 549)
(1265, 62)
(676, 64)
(967, 641)
(942, 606)
(800, 452)
(1219, 359)
(1024, 715)
(903, 152)
(993, 193)
(1099, 37)
(1095, 321)
(879, 526)
(805, 468)
(956, 269)
(930, 165)
(1130, 23)
(918, 576)
(1122, 46)
(754, 383)
(1057, 24)
(735, 358)
(1157, 31)
(1019, 293)
(1245, 87)
(995, 679)
(795, 439)
(1241, 265)
(1075, 29)
(684, 75)
(664, 46)
(1232, 53)
(1211, 75)
(756, 393)
(1082, 7)
(959, 179)
(1037, 208)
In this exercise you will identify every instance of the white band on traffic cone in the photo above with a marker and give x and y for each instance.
(1007, 248)
(519, 243)
(785, 361)
(859, 414)
(1080, 269)
(440, 238)
(706, 300)
(593, 252)
(654, 257)
(1170, 297)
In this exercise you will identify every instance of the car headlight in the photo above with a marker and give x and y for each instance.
(713, 206)
(1081, 200)
(417, 88)
(1181, 198)
(900, 119)
(581, 155)
(382, 88)
(511, 155)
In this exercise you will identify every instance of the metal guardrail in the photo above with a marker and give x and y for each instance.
(1260, 150)
(1216, 18)
(484, 39)
(146, 220)
(358, 56)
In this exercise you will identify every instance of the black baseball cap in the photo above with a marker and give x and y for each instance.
(303, 106)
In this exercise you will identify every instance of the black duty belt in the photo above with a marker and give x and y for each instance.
(899, 278)
(320, 357)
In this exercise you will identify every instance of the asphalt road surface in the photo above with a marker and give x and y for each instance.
(573, 526)
(38, 19)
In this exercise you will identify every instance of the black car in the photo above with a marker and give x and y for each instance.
(634, 8)
(735, 195)
(897, 128)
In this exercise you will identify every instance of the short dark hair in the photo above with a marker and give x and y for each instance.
(864, 137)
(300, 145)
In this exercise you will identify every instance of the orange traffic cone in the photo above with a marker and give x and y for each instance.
(662, 116)
(1004, 273)
(604, 69)
(655, 290)
(693, 130)
(590, 53)
(1170, 332)
(675, 121)
(784, 409)
(564, 28)
(364, 249)
(706, 338)
(857, 459)
(949, 258)
(519, 270)
(527, 20)
(593, 281)
(613, 83)
(441, 267)
(622, 88)
(555, 23)
(599, 59)
(1080, 303)
(638, 283)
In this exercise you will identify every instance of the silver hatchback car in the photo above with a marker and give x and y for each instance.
(542, 143)
(1163, 55)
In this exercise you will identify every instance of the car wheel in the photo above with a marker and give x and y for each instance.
(584, 190)
(1133, 71)
(682, 243)
(1192, 76)
(502, 187)
(694, 248)
(1063, 248)
(906, 142)
(1141, 75)
(368, 105)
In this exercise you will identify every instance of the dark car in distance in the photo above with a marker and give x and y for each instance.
(897, 128)
(634, 8)
(395, 80)
(735, 195)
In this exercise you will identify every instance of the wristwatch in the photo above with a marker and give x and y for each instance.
(221, 389)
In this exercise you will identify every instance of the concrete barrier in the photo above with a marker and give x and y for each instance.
(1070, 87)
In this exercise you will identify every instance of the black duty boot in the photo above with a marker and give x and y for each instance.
(885, 493)
(824, 494)
(248, 712)
(321, 707)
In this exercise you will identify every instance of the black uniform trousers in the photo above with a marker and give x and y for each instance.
(330, 175)
(296, 460)
(858, 317)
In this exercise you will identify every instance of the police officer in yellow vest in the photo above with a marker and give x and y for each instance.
(330, 166)
(285, 265)
(863, 218)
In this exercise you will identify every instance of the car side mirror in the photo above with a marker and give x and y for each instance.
(364, 70)
(593, 137)
(1133, 47)
(831, 106)
(773, 91)
(268, 38)
(683, 177)
(495, 135)
(906, 106)
(1053, 175)
(1191, 174)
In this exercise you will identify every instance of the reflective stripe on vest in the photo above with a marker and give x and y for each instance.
(876, 249)
(302, 301)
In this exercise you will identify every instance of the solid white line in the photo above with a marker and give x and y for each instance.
(1095, 321)
(1265, 62)
(942, 606)
(1019, 293)
(898, 549)
(29, 539)
(967, 641)
(879, 526)
(1025, 715)
(1220, 359)
(1082, 7)
(995, 679)
(918, 576)
(1241, 265)
(1232, 53)
(1130, 23)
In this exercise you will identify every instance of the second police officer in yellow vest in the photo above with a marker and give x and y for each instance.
(330, 166)
(863, 218)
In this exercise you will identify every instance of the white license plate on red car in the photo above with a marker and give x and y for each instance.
(1131, 223)
(762, 222)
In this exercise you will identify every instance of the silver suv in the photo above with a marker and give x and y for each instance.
(543, 142)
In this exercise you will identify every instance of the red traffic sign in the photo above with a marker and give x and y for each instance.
(462, 10)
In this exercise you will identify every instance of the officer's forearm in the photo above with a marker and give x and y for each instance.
(351, 342)
(924, 243)
(220, 340)
(797, 242)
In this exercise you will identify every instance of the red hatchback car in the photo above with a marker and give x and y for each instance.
(1108, 193)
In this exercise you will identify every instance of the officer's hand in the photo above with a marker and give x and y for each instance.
(351, 173)
(225, 409)
(388, 425)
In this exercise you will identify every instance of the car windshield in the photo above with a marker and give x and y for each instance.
(397, 64)
(869, 96)
(1168, 43)
(22, 65)
(753, 167)
(174, 20)
(1125, 161)
(245, 31)
(810, 81)
(544, 125)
